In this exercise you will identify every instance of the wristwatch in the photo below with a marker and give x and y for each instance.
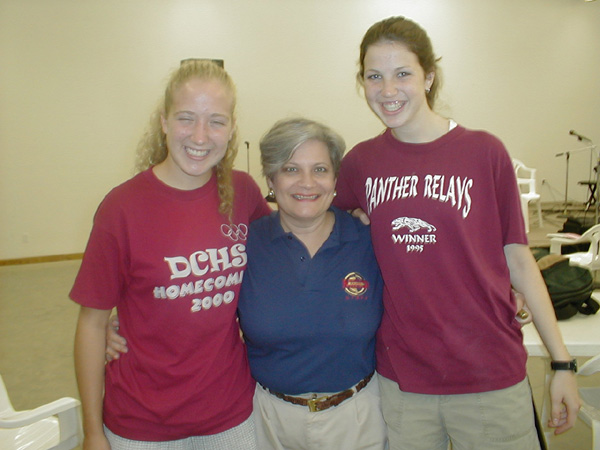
(564, 365)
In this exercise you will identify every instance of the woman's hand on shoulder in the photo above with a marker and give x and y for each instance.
(358, 212)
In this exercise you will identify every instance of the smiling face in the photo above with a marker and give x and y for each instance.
(198, 128)
(304, 186)
(395, 86)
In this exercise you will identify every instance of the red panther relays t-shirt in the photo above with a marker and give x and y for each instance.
(441, 214)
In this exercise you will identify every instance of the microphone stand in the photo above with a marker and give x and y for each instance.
(597, 171)
(568, 156)
(247, 156)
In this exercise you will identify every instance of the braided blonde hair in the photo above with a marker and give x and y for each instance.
(152, 147)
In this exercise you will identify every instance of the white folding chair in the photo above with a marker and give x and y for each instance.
(55, 425)
(526, 181)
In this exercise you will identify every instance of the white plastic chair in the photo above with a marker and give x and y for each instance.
(589, 260)
(55, 426)
(590, 396)
(557, 240)
(526, 181)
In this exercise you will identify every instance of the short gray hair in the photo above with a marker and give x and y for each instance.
(279, 143)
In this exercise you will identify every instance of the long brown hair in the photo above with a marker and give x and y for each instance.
(405, 31)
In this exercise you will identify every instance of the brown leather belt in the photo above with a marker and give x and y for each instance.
(327, 401)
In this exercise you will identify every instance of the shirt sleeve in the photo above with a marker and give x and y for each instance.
(347, 198)
(508, 197)
(256, 203)
(101, 280)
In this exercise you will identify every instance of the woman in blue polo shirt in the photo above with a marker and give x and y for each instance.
(310, 303)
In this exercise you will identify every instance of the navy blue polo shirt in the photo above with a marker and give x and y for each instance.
(310, 323)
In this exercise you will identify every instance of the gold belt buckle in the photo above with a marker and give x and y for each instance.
(313, 402)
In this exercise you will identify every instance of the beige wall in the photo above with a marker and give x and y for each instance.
(78, 79)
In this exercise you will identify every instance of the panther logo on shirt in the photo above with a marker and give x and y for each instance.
(413, 224)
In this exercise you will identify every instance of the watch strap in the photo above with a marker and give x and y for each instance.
(564, 365)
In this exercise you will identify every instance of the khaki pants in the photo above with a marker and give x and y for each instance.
(356, 423)
(494, 420)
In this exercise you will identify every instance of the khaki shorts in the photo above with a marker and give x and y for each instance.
(494, 420)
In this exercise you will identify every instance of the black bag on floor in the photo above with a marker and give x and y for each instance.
(570, 287)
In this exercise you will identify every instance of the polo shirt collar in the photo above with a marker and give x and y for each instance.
(344, 229)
